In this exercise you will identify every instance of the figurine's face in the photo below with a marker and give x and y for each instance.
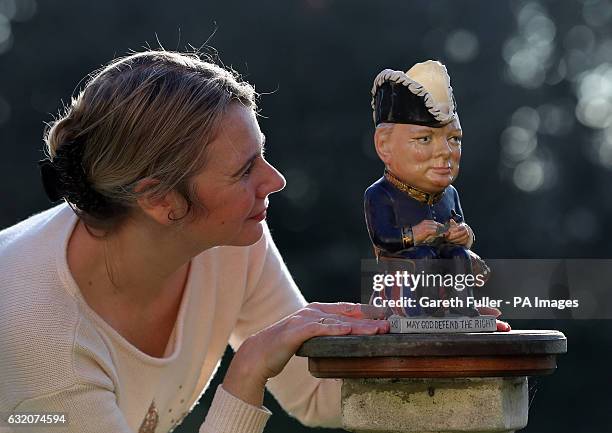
(423, 157)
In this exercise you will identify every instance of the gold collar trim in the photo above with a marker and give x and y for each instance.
(417, 194)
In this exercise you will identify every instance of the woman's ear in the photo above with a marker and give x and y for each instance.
(160, 209)
(382, 142)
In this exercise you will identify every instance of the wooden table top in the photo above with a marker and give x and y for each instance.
(514, 353)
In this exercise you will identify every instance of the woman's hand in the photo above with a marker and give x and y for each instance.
(265, 354)
(489, 311)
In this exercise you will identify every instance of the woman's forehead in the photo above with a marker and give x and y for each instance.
(238, 138)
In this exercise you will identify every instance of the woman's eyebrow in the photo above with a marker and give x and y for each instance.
(252, 158)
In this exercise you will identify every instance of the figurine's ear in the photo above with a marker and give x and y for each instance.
(382, 141)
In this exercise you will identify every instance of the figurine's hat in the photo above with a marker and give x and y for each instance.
(421, 96)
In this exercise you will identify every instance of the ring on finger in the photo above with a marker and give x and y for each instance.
(322, 320)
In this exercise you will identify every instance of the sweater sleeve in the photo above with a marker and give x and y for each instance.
(271, 295)
(228, 414)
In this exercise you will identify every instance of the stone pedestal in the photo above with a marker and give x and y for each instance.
(435, 405)
(438, 383)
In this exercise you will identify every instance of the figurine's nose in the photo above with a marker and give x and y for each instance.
(443, 148)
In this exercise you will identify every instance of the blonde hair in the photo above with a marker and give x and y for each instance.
(146, 115)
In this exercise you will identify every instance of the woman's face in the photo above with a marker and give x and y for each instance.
(426, 158)
(235, 183)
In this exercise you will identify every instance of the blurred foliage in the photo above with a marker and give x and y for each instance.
(532, 80)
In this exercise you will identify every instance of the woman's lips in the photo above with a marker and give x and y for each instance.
(260, 216)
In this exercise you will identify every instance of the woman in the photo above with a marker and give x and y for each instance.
(118, 303)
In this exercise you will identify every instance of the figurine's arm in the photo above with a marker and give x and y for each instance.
(460, 233)
(384, 232)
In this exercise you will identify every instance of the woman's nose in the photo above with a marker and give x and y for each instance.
(273, 182)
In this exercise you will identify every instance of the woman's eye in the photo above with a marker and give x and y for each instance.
(425, 139)
(247, 172)
(249, 169)
(456, 139)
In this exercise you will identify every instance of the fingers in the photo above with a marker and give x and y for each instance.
(359, 326)
(331, 326)
(349, 309)
(344, 308)
(457, 230)
(361, 317)
(458, 235)
(433, 227)
(369, 327)
(459, 240)
(334, 327)
(425, 230)
(489, 311)
(328, 321)
(503, 326)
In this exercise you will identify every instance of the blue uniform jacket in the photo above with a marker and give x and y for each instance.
(388, 210)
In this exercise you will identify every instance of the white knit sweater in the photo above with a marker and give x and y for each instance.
(58, 355)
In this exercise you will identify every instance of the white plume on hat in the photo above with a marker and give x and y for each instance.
(428, 79)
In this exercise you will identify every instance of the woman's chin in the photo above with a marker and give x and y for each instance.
(250, 234)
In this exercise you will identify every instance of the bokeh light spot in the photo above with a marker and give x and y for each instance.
(517, 143)
(529, 175)
(462, 46)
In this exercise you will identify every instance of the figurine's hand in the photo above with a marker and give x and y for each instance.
(459, 234)
(265, 354)
(489, 311)
(425, 230)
